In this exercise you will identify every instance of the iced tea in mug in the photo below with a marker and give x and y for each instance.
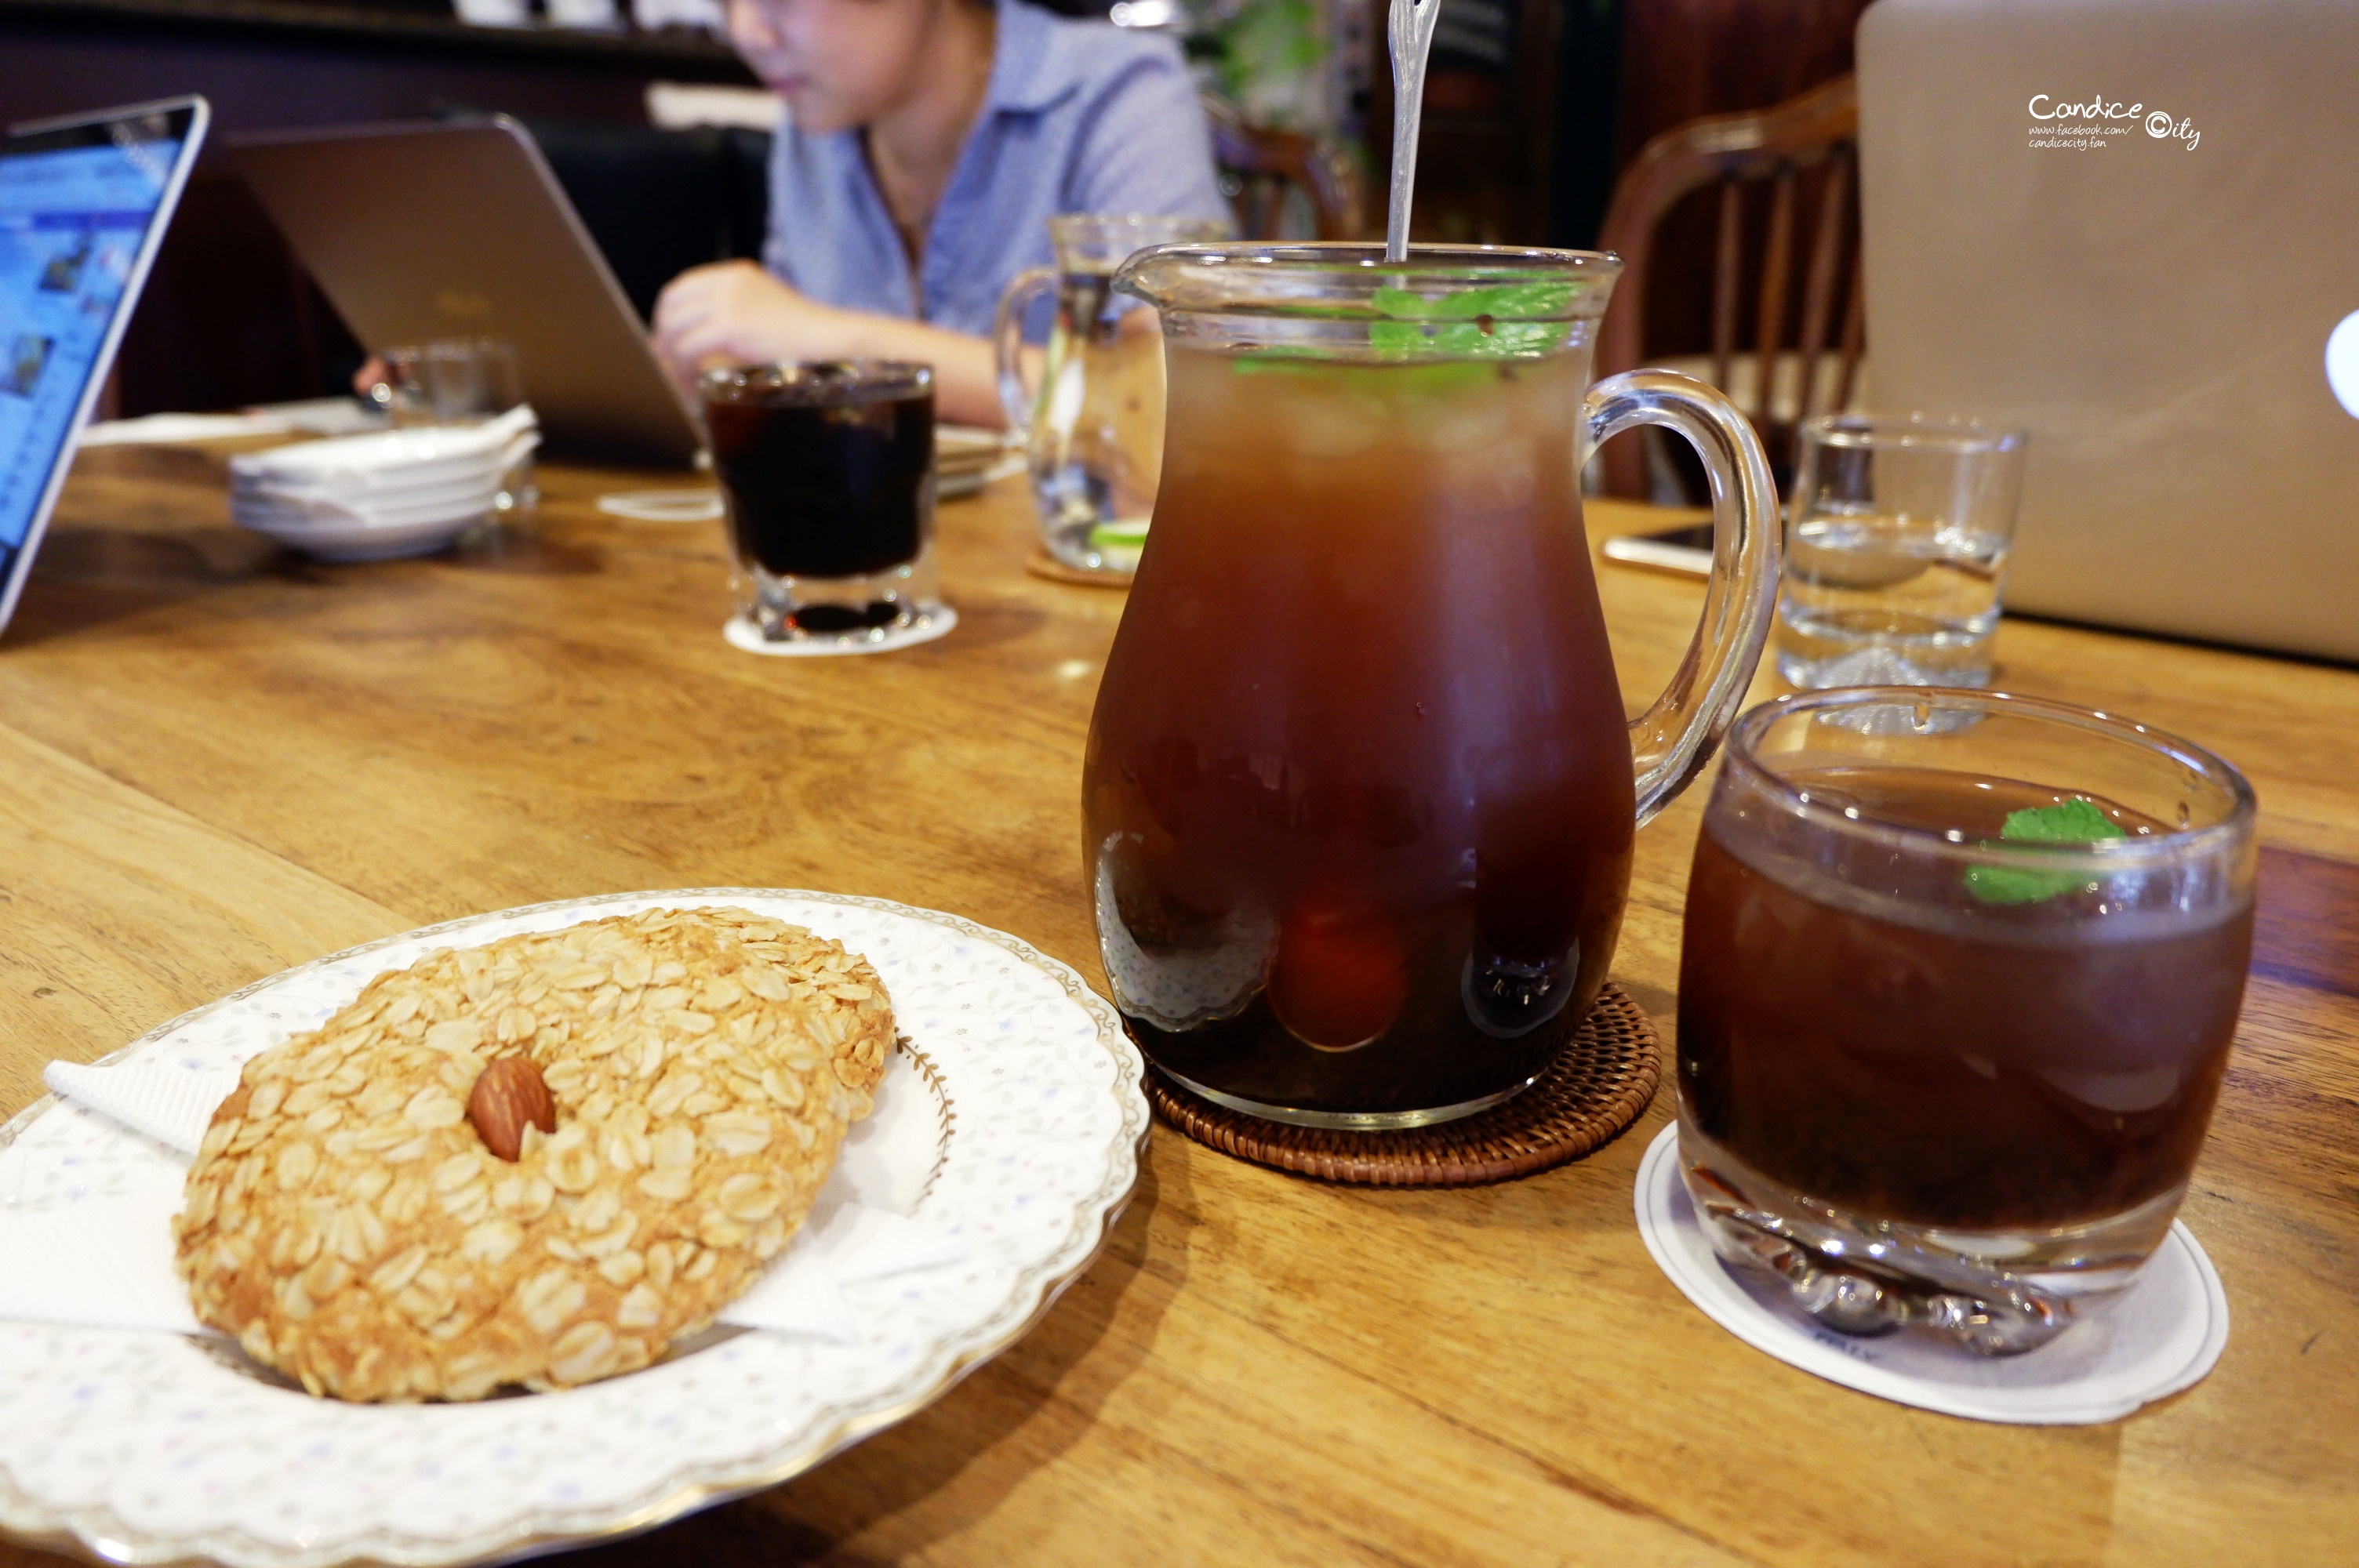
(1360, 794)
(1956, 993)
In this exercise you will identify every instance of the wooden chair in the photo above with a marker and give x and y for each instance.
(1805, 151)
(1260, 167)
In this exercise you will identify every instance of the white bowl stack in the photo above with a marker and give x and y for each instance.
(376, 497)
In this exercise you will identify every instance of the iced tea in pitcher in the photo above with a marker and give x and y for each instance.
(1359, 796)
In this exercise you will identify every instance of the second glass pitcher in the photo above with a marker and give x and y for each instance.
(1092, 430)
(1360, 793)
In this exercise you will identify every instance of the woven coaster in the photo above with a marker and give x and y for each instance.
(1596, 1086)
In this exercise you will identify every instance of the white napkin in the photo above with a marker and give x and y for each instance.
(102, 1263)
(169, 1102)
(309, 416)
(161, 430)
(106, 1260)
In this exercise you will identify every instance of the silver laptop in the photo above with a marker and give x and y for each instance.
(84, 202)
(2131, 227)
(420, 232)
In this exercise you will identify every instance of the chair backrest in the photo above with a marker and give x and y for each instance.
(1805, 152)
(1261, 167)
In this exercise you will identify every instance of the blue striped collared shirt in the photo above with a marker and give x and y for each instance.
(1079, 117)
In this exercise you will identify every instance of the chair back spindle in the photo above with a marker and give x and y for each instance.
(1801, 238)
(1261, 167)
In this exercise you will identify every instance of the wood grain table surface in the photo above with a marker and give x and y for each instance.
(218, 760)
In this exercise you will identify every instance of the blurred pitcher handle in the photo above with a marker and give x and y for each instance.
(1007, 348)
(1672, 741)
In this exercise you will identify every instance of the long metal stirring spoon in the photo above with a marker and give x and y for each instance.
(1410, 31)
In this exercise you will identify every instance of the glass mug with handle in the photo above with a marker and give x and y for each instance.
(1092, 430)
(1359, 795)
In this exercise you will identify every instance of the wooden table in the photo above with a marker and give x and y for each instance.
(217, 760)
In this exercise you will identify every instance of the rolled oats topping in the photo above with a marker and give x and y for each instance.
(383, 1209)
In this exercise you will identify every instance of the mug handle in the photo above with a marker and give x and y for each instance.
(1008, 349)
(1672, 741)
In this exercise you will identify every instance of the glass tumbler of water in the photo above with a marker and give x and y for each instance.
(458, 381)
(449, 381)
(1895, 546)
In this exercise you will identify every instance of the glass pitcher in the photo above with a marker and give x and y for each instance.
(1359, 796)
(1092, 431)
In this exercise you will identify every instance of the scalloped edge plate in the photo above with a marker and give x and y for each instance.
(952, 1353)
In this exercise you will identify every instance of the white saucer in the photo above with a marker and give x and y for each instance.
(393, 459)
(663, 506)
(360, 541)
(2162, 1335)
(934, 620)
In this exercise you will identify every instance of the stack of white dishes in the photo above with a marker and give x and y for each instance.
(965, 458)
(373, 498)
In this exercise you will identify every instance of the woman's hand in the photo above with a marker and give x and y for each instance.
(735, 313)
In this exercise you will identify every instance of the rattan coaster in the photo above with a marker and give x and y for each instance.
(1040, 563)
(1596, 1086)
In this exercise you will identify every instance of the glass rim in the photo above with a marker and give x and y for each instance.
(861, 375)
(1339, 279)
(1338, 255)
(2106, 856)
(1930, 432)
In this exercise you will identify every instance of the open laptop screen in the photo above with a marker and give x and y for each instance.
(78, 204)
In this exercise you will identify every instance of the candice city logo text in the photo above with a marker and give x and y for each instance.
(2089, 124)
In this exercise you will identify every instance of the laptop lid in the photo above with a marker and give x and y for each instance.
(420, 232)
(2131, 227)
(84, 202)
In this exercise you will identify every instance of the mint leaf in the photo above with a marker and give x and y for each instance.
(1397, 374)
(2005, 884)
(1284, 359)
(1469, 340)
(2075, 821)
(1541, 299)
(1506, 322)
(1401, 337)
(1513, 320)
(1402, 306)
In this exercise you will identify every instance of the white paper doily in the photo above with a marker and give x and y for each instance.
(2158, 1336)
(934, 620)
(140, 1447)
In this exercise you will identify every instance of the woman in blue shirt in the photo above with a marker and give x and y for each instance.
(927, 144)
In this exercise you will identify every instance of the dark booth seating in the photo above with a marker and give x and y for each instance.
(659, 202)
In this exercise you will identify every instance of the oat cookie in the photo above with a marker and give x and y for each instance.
(347, 1221)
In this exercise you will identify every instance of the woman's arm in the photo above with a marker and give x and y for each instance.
(735, 313)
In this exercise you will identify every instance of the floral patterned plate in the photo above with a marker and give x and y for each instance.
(150, 1447)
